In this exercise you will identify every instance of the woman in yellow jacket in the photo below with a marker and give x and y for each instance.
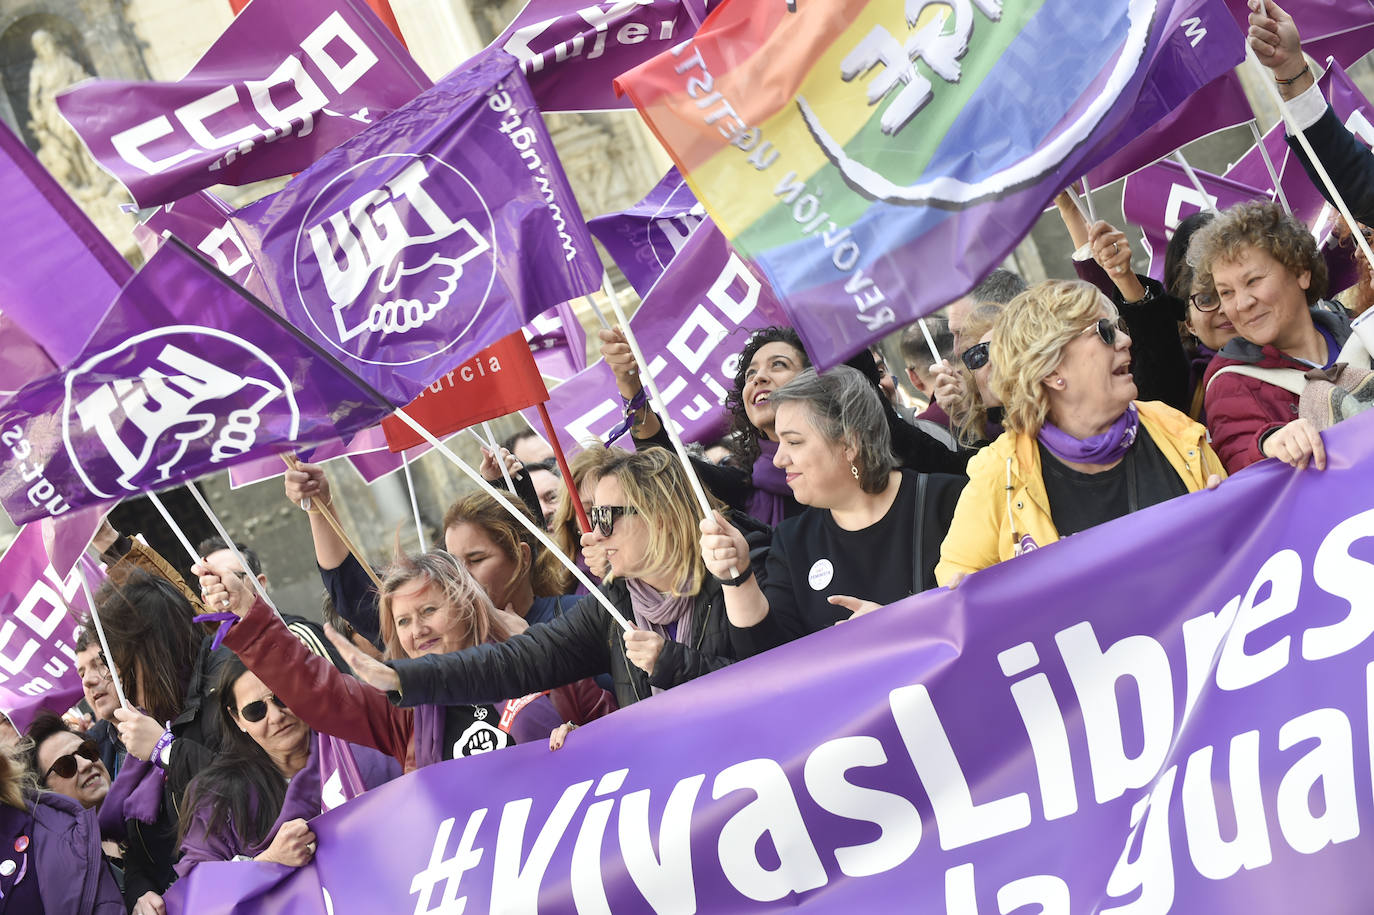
(1078, 450)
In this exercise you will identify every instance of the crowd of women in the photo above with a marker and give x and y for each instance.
(1059, 407)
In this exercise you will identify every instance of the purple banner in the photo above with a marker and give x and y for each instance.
(1069, 732)
(37, 632)
(58, 274)
(571, 52)
(203, 222)
(644, 239)
(436, 232)
(692, 326)
(1216, 106)
(184, 376)
(286, 81)
(558, 342)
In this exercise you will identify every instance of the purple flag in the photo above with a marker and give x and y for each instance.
(1068, 732)
(1337, 28)
(58, 274)
(183, 377)
(691, 326)
(1216, 106)
(340, 780)
(1160, 196)
(37, 631)
(558, 342)
(431, 235)
(286, 81)
(571, 52)
(643, 239)
(203, 222)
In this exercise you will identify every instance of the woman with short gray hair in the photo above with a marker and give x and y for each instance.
(870, 534)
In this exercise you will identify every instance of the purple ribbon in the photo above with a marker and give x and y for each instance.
(226, 621)
(1104, 448)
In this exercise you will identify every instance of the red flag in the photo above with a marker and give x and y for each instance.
(499, 380)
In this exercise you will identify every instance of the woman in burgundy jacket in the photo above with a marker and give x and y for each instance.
(429, 605)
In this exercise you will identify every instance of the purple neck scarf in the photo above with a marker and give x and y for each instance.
(656, 611)
(1104, 448)
(768, 501)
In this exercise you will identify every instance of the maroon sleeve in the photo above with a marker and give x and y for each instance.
(325, 698)
(582, 701)
(1240, 411)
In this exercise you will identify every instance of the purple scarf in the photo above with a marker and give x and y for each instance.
(136, 794)
(768, 501)
(655, 611)
(1104, 448)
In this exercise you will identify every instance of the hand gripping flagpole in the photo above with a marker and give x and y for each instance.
(660, 406)
(327, 513)
(100, 634)
(1301, 136)
(229, 542)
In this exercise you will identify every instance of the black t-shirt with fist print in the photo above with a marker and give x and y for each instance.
(473, 729)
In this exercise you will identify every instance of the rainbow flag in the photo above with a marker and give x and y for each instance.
(875, 168)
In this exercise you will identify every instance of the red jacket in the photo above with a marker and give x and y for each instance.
(333, 702)
(1241, 410)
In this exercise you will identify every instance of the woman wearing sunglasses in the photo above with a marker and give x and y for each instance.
(429, 605)
(254, 799)
(870, 534)
(976, 414)
(1268, 278)
(645, 518)
(50, 857)
(1078, 450)
(67, 762)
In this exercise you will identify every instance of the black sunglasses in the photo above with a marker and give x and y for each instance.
(976, 356)
(1106, 329)
(65, 766)
(603, 517)
(1205, 301)
(256, 711)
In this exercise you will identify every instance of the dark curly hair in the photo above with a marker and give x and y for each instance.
(743, 439)
(1264, 226)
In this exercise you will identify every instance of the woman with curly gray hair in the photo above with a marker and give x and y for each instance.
(1269, 280)
(870, 534)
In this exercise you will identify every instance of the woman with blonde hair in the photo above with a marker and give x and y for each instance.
(1078, 450)
(645, 518)
(429, 604)
(586, 468)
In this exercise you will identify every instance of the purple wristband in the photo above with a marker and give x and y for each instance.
(163, 743)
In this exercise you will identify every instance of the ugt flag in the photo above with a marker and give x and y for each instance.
(874, 167)
(643, 239)
(183, 377)
(286, 81)
(429, 236)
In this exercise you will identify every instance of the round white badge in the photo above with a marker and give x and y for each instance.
(820, 574)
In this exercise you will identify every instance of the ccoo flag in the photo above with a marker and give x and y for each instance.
(431, 235)
(875, 168)
(183, 377)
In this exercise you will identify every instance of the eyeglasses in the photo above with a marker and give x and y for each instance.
(256, 711)
(1205, 301)
(65, 766)
(976, 356)
(1106, 329)
(603, 517)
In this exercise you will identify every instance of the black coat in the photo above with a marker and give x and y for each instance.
(1347, 161)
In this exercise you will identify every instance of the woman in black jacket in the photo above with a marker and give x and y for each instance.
(646, 520)
(870, 535)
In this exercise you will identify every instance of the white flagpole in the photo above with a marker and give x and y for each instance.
(1317, 166)
(1207, 203)
(229, 541)
(100, 634)
(1269, 164)
(496, 455)
(596, 309)
(414, 504)
(930, 341)
(1088, 201)
(525, 522)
